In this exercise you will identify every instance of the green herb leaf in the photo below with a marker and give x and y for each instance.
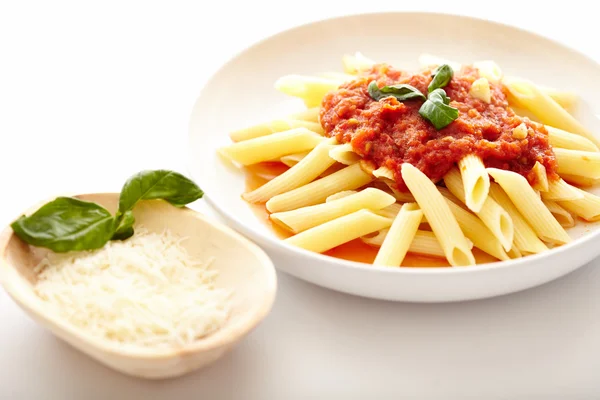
(401, 92)
(125, 226)
(437, 109)
(441, 76)
(66, 224)
(159, 184)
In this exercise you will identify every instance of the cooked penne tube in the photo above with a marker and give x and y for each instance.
(403, 197)
(476, 182)
(344, 154)
(515, 253)
(311, 114)
(271, 147)
(491, 214)
(311, 89)
(349, 178)
(530, 206)
(440, 218)
(339, 231)
(568, 140)
(292, 159)
(541, 178)
(545, 108)
(424, 242)
(399, 237)
(567, 100)
(353, 64)
(523, 112)
(477, 232)
(525, 238)
(580, 180)
(392, 210)
(278, 125)
(564, 218)
(307, 170)
(579, 163)
(304, 218)
(587, 208)
(384, 172)
(340, 195)
(559, 190)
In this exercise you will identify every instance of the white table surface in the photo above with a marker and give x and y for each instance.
(91, 93)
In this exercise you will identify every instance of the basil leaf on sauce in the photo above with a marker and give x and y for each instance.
(159, 184)
(437, 109)
(401, 92)
(441, 77)
(66, 224)
(69, 224)
(125, 226)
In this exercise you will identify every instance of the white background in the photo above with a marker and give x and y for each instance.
(91, 92)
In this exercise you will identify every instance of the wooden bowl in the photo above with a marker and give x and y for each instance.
(243, 267)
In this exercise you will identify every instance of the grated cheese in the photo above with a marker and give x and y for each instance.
(144, 291)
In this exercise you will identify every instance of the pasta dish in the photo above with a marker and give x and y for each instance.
(458, 163)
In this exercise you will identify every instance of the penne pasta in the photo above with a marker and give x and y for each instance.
(311, 89)
(292, 159)
(525, 238)
(399, 237)
(580, 180)
(442, 222)
(344, 154)
(424, 242)
(491, 214)
(339, 231)
(545, 108)
(530, 206)
(560, 190)
(356, 63)
(332, 193)
(566, 100)
(578, 163)
(349, 178)
(271, 147)
(301, 219)
(340, 195)
(587, 208)
(476, 182)
(568, 140)
(541, 179)
(278, 125)
(477, 232)
(311, 114)
(564, 218)
(384, 172)
(307, 170)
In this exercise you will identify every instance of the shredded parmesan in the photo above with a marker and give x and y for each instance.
(144, 291)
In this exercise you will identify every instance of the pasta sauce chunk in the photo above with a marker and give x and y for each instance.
(390, 132)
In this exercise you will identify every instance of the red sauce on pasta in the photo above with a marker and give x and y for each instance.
(389, 132)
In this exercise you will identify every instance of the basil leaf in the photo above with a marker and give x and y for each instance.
(441, 77)
(401, 92)
(437, 109)
(125, 226)
(159, 184)
(66, 224)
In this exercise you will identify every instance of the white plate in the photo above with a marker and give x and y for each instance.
(242, 93)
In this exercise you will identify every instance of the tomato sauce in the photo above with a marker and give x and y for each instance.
(356, 250)
(389, 132)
